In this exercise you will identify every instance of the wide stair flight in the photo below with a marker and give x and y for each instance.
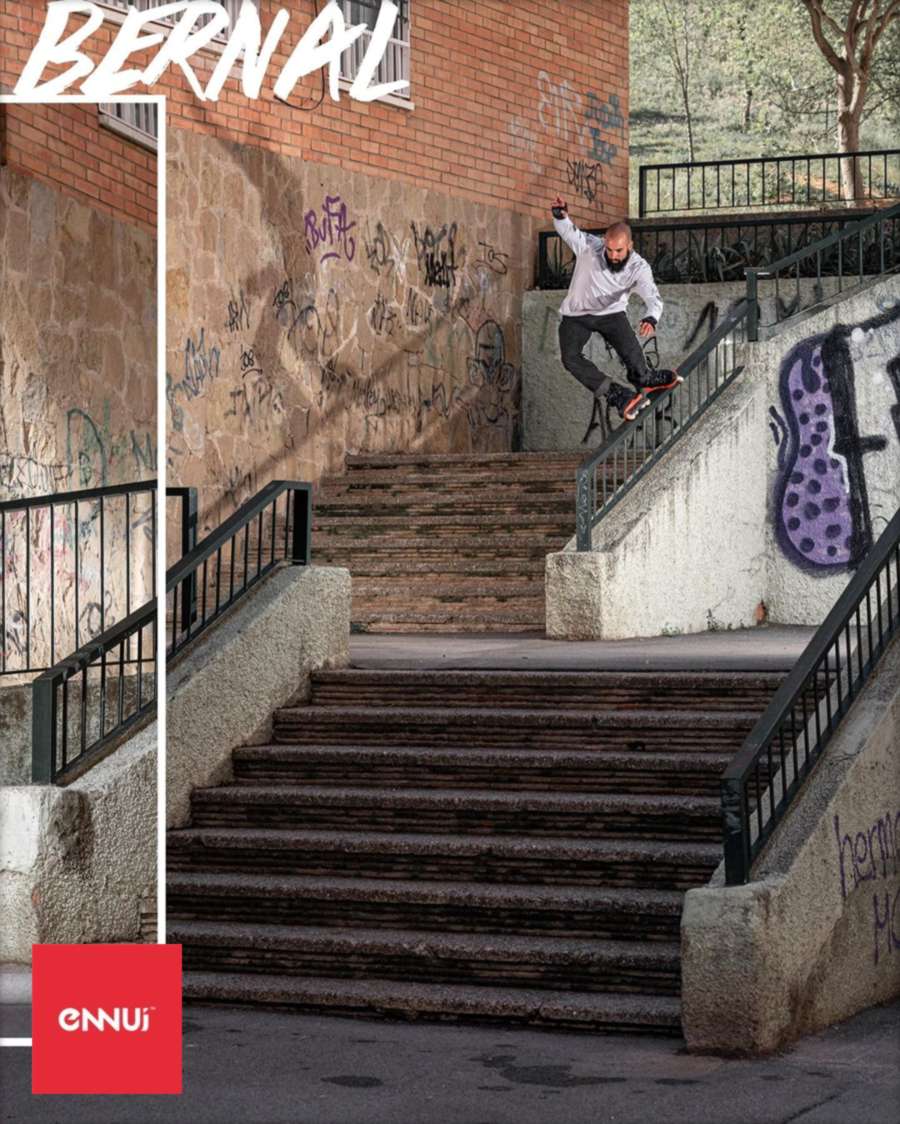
(487, 846)
(452, 543)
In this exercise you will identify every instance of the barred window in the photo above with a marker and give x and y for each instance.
(232, 7)
(136, 120)
(394, 67)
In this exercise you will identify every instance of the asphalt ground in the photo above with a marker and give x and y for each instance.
(273, 1067)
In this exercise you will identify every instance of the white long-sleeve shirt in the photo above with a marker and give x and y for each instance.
(597, 290)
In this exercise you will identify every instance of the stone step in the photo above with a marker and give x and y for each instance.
(442, 568)
(596, 729)
(333, 549)
(426, 593)
(599, 914)
(407, 955)
(719, 691)
(564, 1010)
(447, 524)
(448, 622)
(436, 504)
(409, 463)
(472, 767)
(510, 859)
(493, 609)
(480, 488)
(458, 810)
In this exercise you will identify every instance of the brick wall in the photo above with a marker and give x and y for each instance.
(514, 101)
(66, 147)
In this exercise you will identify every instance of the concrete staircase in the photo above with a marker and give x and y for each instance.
(487, 846)
(452, 543)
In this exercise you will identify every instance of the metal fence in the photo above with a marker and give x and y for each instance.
(606, 475)
(861, 250)
(807, 180)
(790, 737)
(274, 526)
(84, 703)
(703, 250)
(88, 701)
(72, 564)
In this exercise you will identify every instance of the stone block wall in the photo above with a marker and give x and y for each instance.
(77, 408)
(313, 312)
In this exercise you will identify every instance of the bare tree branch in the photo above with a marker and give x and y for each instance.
(816, 15)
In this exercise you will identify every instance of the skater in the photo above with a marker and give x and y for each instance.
(607, 272)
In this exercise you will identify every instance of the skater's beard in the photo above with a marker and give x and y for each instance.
(616, 266)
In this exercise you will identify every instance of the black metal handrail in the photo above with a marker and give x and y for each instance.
(707, 250)
(608, 473)
(234, 557)
(800, 180)
(760, 784)
(83, 705)
(74, 563)
(78, 561)
(870, 252)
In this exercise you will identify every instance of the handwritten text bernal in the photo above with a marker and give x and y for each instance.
(174, 33)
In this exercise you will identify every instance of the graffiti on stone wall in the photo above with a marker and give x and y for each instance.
(822, 512)
(494, 259)
(436, 253)
(873, 856)
(66, 576)
(330, 230)
(93, 451)
(238, 318)
(354, 328)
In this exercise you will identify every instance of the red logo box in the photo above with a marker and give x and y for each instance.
(106, 1018)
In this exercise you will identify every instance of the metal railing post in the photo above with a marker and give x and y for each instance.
(642, 191)
(301, 547)
(43, 730)
(188, 542)
(752, 306)
(583, 509)
(734, 836)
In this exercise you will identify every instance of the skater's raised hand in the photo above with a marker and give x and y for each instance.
(558, 208)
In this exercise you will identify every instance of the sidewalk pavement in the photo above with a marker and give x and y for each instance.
(770, 648)
(254, 1066)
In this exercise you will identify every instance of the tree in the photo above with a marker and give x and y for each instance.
(678, 47)
(848, 39)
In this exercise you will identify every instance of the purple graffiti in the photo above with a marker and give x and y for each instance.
(821, 503)
(331, 230)
(816, 509)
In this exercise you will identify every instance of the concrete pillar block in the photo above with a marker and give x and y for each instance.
(574, 595)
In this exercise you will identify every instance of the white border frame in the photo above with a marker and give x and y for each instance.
(161, 474)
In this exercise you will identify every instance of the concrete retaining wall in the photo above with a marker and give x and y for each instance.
(224, 692)
(556, 408)
(15, 734)
(816, 936)
(710, 535)
(75, 861)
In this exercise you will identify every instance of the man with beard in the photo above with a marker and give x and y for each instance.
(607, 272)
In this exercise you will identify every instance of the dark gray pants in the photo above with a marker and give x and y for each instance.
(574, 333)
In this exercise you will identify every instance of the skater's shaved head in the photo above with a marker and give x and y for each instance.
(618, 245)
(617, 231)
